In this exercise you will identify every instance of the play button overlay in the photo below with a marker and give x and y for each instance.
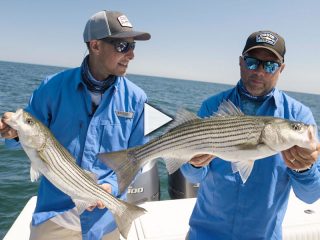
(153, 119)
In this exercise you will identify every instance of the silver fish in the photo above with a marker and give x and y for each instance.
(229, 135)
(50, 158)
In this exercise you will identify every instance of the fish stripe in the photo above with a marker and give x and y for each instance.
(221, 136)
(220, 128)
(66, 169)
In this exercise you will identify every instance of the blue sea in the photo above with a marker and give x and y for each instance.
(18, 80)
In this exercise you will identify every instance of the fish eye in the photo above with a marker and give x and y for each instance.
(296, 126)
(29, 121)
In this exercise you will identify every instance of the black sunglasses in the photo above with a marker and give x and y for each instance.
(269, 66)
(119, 45)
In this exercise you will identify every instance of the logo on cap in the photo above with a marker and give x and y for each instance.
(267, 37)
(124, 21)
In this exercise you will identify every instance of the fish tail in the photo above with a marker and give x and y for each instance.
(124, 164)
(128, 215)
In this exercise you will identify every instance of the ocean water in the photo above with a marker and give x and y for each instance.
(17, 81)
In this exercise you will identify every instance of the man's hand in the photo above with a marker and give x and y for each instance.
(5, 130)
(298, 158)
(201, 160)
(99, 204)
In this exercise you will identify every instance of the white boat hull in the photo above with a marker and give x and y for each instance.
(302, 221)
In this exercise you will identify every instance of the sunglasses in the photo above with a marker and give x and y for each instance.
(120, 46)
(268, 66)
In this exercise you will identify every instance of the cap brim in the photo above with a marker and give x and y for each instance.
(270, 49)
(142, 36)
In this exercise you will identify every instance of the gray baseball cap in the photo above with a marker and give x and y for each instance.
(111, 24)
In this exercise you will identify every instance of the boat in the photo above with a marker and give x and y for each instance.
(301, 222)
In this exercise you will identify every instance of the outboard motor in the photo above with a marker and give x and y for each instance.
(146, 186)
(179, 187)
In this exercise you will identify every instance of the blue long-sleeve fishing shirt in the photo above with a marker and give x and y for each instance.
(63, 103)
(228, 209)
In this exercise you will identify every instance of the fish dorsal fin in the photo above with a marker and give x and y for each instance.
(227, 108)
(182, 116)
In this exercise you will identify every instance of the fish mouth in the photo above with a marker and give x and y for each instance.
(13, 120)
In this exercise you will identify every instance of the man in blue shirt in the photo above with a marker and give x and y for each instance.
(228, 209)
(90, 109)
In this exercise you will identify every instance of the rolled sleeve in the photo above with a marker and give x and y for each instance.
(192, 174)
(306, 185)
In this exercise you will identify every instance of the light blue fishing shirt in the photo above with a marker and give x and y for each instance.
(63, 103)
(228, 209)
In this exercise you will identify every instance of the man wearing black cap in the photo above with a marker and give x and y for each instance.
(228, 209)
(90, 109)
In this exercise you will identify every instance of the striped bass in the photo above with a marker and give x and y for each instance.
(50, 158)
(229, 135)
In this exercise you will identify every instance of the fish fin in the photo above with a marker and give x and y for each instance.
(227, 108)
(182, 116)
(173, 164)
(92, 175)
(124, 164)
(244, 168)
(82, 205)
(42, 156)
(34, 174)
(128, 215)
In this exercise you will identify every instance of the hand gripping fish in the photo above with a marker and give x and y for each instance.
(229, 135)
(50, 158)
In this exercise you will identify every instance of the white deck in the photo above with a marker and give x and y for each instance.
(168, 220)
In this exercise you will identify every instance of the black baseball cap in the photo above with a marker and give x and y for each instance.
(111, 24)
(267, 40)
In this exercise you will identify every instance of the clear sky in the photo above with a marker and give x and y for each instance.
(196, 40)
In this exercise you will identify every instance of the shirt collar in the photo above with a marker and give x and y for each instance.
(79, 84)
(277, 98)
(274, 96)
